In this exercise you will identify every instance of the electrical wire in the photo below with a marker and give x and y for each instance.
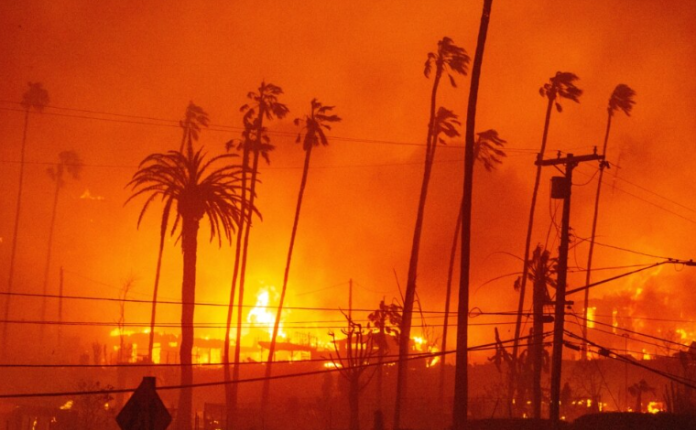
(259, 379)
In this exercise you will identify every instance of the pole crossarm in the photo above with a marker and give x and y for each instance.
(570, 159)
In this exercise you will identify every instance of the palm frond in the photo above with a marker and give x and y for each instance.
(622, 98)
(35, 97)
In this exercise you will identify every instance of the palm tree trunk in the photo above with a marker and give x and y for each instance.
(13, 253)
(588, 274)
(163, 233)
(48, 258)
(265, 396)
(461, 377)
(448, 297)
(405, 335)
(231, 389)
(189, 246)
(354, 402)
(242, 275)
(525, 264)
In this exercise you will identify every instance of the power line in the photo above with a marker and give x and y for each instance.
(653, 204)
(219, 127)
(481, 347)
(606, 352)
(210, 325)
(170, 302)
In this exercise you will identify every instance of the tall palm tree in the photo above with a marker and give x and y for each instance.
(68, 162)
(450, 59)
(560, 86)
(542, 273)
(265, 106)
(194, 119)
(488, 150)
(312, 134)
(197, 189)
(35, 98)
(621, 99)
(461, 374)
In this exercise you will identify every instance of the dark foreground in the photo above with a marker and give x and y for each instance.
(609, 421)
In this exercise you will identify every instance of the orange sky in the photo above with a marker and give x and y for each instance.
(366, 58)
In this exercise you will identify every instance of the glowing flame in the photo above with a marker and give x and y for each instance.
(646, 355)
(421, 344)
(591, 316)
(68, 405)
(655, 407)
(118, 332)
(261, 316)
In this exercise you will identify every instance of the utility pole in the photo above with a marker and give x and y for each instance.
(561, 189)
(350, 299)
(537, 343)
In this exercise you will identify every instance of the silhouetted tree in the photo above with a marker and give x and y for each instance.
(311, 135)
(68, 162)
(488, 150)
(387, 321)
(194, 119)
(542, 273)
(351, 366)
(621, 98)
(448, 59)
(461, 375)
(198, 190)
(255, 141)
(36, 98)
(560, 86)
(637, 390)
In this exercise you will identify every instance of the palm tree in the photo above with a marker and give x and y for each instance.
(195, 118)
(312, 134)
(488, 150)
(461, 375)
(449, 59)
(68, 162)
(621, 99)
(542, 273)
(35, 98)
(387, 321)
(192, 122)
(197, 189)
(255, 140)
(560, 86)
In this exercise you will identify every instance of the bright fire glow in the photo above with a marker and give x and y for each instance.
(655, 407)
(591, 316)
(261, 316)
(646, 355)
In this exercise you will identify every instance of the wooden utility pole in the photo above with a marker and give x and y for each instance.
(539, 297)
(350, 299)
(561, 189)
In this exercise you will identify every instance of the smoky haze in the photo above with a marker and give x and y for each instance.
(366, 58)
